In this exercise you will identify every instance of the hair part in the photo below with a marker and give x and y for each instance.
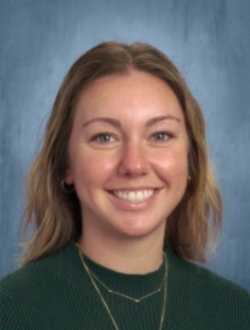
(194, 225)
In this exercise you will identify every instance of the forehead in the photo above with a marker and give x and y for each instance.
(135, 94)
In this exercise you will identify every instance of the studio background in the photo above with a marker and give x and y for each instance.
(208, 41)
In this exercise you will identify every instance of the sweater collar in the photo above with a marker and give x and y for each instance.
(130, 284)
(182, 277)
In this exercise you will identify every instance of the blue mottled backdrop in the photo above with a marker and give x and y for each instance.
(208, 40)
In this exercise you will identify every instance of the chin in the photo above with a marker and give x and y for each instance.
(136, 231)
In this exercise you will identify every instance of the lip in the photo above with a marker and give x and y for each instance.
(128, 205)
(126, 189)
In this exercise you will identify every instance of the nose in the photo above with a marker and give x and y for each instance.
(133, 161)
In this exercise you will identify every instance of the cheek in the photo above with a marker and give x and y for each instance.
(93, 168)
(173, 165)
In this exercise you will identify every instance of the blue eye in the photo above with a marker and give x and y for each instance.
(103, 138)
(161, 136)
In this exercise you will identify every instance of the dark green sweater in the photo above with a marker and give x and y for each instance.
(55, 293)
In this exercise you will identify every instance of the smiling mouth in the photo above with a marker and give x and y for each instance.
(138, 196)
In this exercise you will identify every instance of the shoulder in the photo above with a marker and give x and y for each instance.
(192, 273)
(206, 293)
(41, 294)
(33, 277)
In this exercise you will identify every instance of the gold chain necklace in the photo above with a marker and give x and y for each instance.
(90, 274)
(135, 300)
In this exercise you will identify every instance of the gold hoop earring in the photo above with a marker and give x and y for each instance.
(67, 188)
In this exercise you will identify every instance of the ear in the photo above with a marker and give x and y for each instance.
(68, 178)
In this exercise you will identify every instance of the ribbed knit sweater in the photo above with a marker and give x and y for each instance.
(55, 292)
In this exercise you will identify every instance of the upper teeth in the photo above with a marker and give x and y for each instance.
(135, 196)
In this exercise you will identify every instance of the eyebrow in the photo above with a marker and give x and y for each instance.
(111, 121)
(116, 122)
(160, 118)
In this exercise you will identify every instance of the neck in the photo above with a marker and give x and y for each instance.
(124, 255)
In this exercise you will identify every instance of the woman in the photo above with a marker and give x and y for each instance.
(123, 199)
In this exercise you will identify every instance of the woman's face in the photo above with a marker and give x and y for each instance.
(128, 154)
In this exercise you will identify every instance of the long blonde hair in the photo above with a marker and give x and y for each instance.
(194, 225)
